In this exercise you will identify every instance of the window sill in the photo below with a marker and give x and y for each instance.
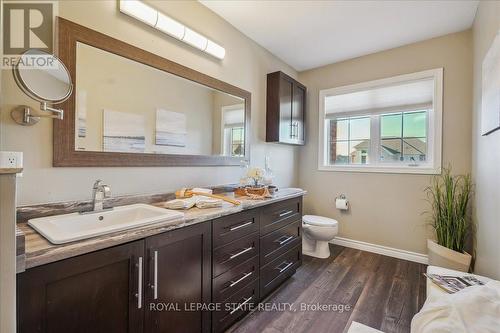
(423, 170)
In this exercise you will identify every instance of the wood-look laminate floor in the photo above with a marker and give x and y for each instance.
(383, 292)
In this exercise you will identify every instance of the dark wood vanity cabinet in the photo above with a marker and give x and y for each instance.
(178, 275)
(97, 292)
(280, 243)
(154, 285)
(254, 252)
(235, 266)
(143, 286)
(286, 109)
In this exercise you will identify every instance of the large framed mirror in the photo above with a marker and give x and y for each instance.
(130, 107)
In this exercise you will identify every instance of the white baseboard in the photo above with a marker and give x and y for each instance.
(380, 249)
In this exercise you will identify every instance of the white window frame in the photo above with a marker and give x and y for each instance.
(434, 126)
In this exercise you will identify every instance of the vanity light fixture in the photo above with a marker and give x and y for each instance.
(143, 12)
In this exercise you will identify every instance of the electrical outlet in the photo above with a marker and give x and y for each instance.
(11, 159)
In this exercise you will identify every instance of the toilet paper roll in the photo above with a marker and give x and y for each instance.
(342, 204)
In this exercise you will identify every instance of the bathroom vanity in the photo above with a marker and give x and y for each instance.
(168, 275)
(155, 278)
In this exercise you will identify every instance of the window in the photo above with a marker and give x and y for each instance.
(349, 140)
(388, 125)
(233, 130)
(234, 141)
(403, 137)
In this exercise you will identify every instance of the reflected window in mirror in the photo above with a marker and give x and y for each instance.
(233, 142)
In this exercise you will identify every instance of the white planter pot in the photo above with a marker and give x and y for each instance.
(444, 257)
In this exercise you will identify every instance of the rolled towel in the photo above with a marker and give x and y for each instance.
(202, 190)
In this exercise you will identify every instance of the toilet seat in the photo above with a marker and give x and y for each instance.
(319, 221)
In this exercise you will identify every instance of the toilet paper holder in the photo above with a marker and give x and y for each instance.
(341, 202)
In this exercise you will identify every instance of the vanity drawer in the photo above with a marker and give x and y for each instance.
(235, 307)
(229, 228)
(278, 242)
(277, 271)
(280, 214)
(233, 280)
(235, 253)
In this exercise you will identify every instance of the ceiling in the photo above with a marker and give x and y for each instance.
(308, 34)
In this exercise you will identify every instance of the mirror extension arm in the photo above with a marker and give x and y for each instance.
(23, 115)
(57, 113)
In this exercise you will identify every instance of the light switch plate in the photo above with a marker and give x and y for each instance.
(11, 159)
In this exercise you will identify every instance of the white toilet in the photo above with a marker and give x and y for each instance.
(317, 232)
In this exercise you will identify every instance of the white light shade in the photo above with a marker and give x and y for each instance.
(215, 49)
(170, 26)
(195, 39)
(139, 10)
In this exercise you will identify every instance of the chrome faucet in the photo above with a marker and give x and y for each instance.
(100, 191)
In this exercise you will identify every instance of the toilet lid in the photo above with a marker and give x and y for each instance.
(320, 221)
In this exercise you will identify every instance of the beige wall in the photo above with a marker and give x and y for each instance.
(386, 209)
(245, 65)
(7, 253)
(486, 152)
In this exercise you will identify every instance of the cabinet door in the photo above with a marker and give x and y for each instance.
(178, 275)
(98, 292)
(285, 122)
(298, 107)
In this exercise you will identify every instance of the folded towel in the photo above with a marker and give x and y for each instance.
(180, 203)
(208, 202)
(198, 201)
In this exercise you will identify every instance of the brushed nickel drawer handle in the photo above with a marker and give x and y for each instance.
(233, 283)
(241, 305)
(281, 242)
(240, 226)
(284, 268)
(155, 276)
(286, 213)
(139, 284)
(232, 256)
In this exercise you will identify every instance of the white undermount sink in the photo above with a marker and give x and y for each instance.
(66, 228)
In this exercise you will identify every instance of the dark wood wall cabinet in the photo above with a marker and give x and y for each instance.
(155, 284)
(286, 109)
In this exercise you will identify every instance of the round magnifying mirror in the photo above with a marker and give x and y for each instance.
(43, 77)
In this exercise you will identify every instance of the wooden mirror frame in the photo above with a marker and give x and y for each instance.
(64, 153)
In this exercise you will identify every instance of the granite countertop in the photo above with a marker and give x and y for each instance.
(39, 251)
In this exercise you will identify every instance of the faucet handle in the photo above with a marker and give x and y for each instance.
(97, 183)
(106, 191)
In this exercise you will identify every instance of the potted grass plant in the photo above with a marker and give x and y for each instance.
(449, 197)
